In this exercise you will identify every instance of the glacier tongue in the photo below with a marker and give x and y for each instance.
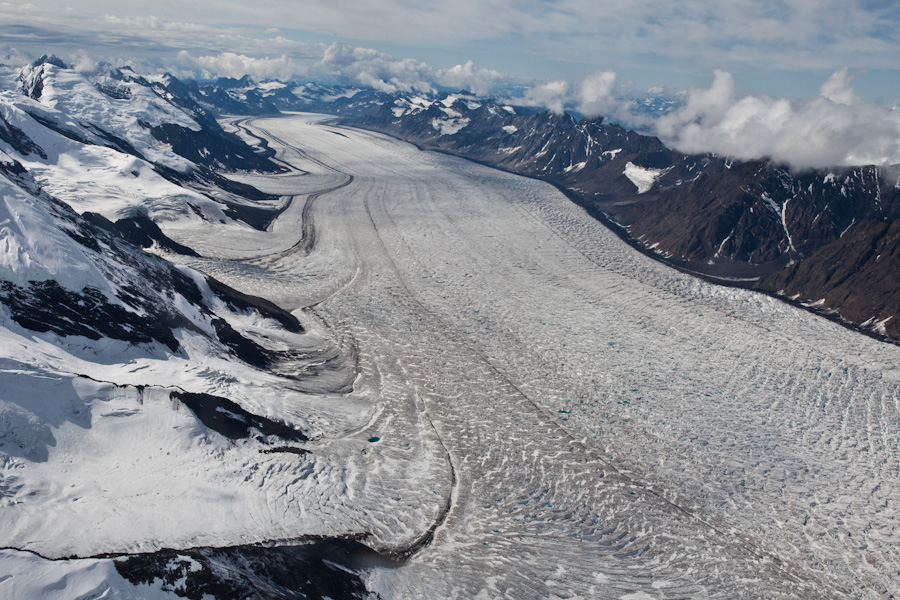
(497, 392)
(582, 391)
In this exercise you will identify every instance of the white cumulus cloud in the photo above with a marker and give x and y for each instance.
(833, 129)
(552, 95)
(230, 64)
(596, 94)
(467, 76)
(375, 69)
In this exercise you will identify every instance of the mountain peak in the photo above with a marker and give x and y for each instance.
(50, 59)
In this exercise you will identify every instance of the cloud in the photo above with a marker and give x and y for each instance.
(553, 95)
(230, 64)
(837, 88)
(599, 95)
(683, 37)
(337, 62)
(468, 77)
(152, 23)
(595, 94)
(341, 63)
(836, 128)
(13, 57)
(375, 69)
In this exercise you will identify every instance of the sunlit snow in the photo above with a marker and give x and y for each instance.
(641, 177)
(555, 414)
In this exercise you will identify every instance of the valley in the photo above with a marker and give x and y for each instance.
(487, 387)
(695, 440)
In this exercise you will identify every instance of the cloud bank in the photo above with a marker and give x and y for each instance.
(835, 128)
(789, 34)
(230, 64)
(600, 94)
(552, 95)
(468, 77)
(343, 64)
(597, 94)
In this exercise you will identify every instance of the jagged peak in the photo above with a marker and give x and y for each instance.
(228, 83)
(50, 59)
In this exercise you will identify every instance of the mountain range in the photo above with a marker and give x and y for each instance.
(824, 239)
(113, 355)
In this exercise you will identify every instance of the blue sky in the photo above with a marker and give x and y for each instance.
(749, 71)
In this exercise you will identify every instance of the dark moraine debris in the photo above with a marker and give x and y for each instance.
(228, 418)
(285, 450)
(330, 568)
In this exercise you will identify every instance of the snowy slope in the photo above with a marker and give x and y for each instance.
(106, 106)
(26, 575)
(143, 405)
(117, 144)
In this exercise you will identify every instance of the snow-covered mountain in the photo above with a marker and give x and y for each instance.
(137, 148)
(134, 392)
(247, 97)
(475, 381)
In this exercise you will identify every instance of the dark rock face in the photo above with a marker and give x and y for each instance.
(212, 149)
(239, 301)
(141, 231)
(857, 272)
(50, 59)
(232, 421)
(45, 306)
(331, 568)
(17, 138)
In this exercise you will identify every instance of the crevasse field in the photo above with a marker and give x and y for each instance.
(500, 389)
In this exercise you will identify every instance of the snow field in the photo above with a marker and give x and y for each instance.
(27, 575)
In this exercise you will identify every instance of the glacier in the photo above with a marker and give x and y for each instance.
(496, 393)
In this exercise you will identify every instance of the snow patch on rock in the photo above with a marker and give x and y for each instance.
(641, 177)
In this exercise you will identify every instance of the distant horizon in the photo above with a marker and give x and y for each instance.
(754, 79)
(786, 50)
